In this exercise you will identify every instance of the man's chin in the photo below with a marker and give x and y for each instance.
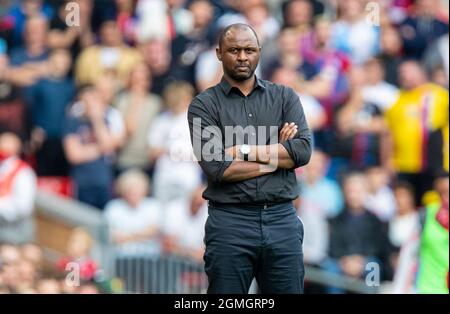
(241, 77)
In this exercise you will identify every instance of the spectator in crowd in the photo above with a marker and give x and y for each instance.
(158, 57)
(391, 53)
(208, 71)
(127, 19)
(380, 198)
(135, 220)
(332, 65)
(26, 64)
(110, 55)
(358, 128)
(75, 38)
(438, 151)
(376, 90)
(261, 20)
(139, 108)
(316, 211)
(12, 106)
(49, 99)
(93, 133)
(176, 173)
(357, 237)
(184, 226)
(256, 14)
(352, 33)
(314, 113)
(422, 28)
(21, 11)
(48, 286)
(405, 225)
(154, 21)
(420, 109)
(436, 59)
(17, 192)
(10, 258)
(298, 15)
(187, 47)
(33, 253)
(179, 17)
(78, 251)
(433, 272)
(287, 53)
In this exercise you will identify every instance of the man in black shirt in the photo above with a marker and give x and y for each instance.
(249, 135)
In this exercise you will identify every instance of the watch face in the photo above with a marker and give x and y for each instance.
(245, 149)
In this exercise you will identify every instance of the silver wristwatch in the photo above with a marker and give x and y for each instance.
(244, 151)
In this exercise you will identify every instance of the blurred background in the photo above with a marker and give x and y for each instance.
(93, 108)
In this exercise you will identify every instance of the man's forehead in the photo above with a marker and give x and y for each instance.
(243, 36)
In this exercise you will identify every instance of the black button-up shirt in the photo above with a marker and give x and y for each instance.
(261, 115)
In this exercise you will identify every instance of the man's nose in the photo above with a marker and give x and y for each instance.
(242, 56)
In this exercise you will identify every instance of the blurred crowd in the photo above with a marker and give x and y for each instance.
(94, 96)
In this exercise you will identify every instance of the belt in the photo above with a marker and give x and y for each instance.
(258, 205)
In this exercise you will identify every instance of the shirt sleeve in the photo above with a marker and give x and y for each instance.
(206, 140)
(299, 148)
(20, 203)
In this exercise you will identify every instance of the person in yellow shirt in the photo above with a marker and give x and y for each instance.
(111, 55)
(420, 109)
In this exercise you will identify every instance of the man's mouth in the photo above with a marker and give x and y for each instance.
(242, 67)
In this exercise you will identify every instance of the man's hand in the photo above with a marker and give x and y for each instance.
(288, 132)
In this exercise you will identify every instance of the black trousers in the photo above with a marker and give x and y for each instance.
(243, 243)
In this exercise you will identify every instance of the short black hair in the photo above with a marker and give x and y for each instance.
(235, 25)
(404, 185)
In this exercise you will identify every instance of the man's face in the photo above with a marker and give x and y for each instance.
(239, 54)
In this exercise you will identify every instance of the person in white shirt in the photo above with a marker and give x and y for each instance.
(176, 173)
(406, 223)
(380, 199)
(184, 226)
(134, 220)
(377, 91)
(17, 193)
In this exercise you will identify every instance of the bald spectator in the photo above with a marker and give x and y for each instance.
(17, 192)
(134, 219)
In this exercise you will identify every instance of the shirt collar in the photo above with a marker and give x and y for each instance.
(227, 87)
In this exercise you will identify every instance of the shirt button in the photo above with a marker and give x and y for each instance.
(250, 115)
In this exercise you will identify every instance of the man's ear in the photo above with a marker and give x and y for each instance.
(218, 54)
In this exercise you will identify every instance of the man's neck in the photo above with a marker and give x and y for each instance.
(245, 87)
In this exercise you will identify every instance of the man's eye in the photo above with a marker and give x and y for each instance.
(233, 50)
(249, 50)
